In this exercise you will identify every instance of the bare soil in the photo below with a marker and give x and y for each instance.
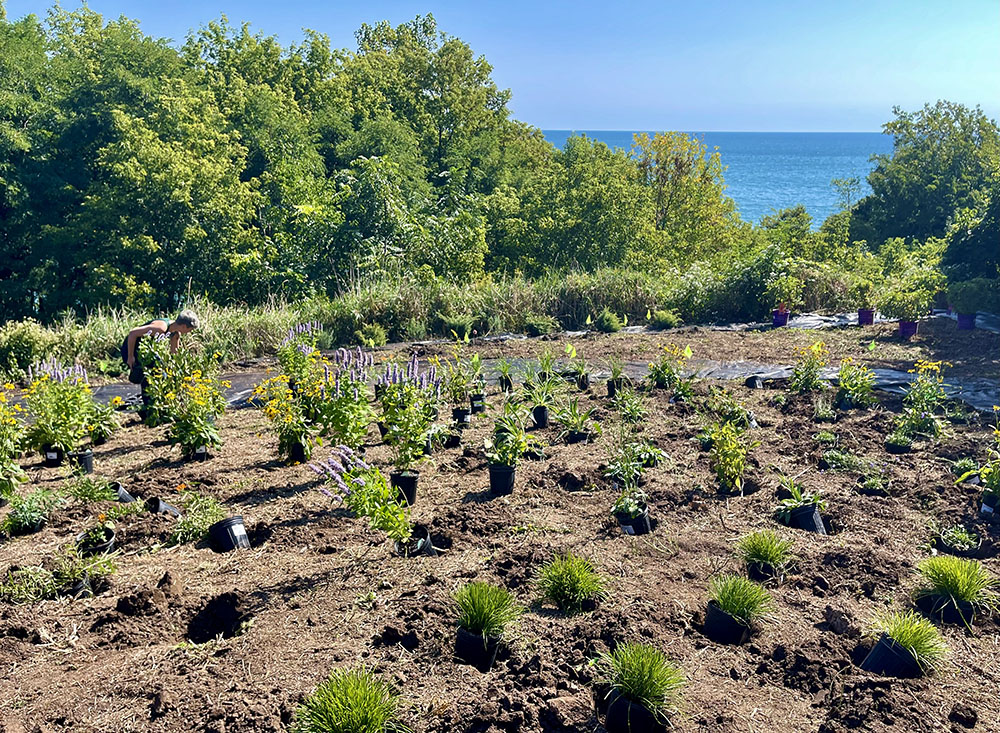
(185, 639)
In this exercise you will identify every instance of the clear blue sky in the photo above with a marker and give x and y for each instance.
(693, 65)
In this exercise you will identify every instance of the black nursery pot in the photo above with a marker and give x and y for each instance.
(453, 440)
(890, 659)
(406, 483)
(158, 506)
(53, 456)
(297, 453)
(83, 459)
(762, 572)
(577, 436)
(946, 610)
(122, 496)
(383, 429)
(100, 547)
(583, 382)
(419, 544)
(502, 479)
(80, 589)
(475, 649)
(200, 453)
(989, 505)
(807, 518)
(477, 402)
(627, 716)
(229, 534)
(506, 383)
(634, 525)
(462, 416)
(615, 385)
(540, 415)
(724, 627)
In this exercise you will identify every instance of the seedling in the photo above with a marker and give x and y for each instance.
(350, 701)
(569, 582)
(89, 489)
(799, 498)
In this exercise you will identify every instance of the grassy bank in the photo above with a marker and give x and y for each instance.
(414, 308)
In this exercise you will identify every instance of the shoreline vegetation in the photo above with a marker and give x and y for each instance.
(387, 193)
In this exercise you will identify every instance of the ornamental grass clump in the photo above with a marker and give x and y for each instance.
(486, 610)
(28, 585)
(350, 701)
(643, 674)
(765, 548)
(954, 580)
(570, 582)
(743, 599)
(915, 634)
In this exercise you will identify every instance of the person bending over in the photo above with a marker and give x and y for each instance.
(185, 322)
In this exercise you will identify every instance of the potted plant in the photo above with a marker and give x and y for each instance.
(570, 583)
(578, 369)
(504, 451)
(457, 388)
(485, 612)
(643, 689)
(27, 513)
(958, 541)
(801, 509)
(785, 290)
(477, 393)
(78, 576)
(631, 509)
(407, 439)
(765, 554)
(578, 425)
(195, 407)
(729, 448)
(617, 380)
(905, 301)
(286, 416)
(505, 380)
(104, 420)
(967, 298)
(954, 589)
(546, 365)
(735, 604)
(541, 397)
(98, 539)
(907, 646)
(59, 402)
(862, 290)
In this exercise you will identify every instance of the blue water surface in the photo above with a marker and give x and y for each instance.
(767, 171)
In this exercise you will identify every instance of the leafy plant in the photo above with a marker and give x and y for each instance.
(904, 299)
(922, 403)
(104, 420)
(915, 634)
(728, 456)
(71, 567)
(11, 477)
(12, 429)
(856, 384)
(765, 547)
(662, 320)
(631, 501)
(371, 335)
(509, 441)
(965, 466)
(286, 416)
(28, 585)
(959, 538)
(460, 326)
(569, 581)
(805, 374)
(644, 675)
(728, 409)
(350, 701)
(617, 368)
(825, 437)
(198, 513)
(59, 402)
(741, 598)
(823, 408)
(799, 498)
(27, 513)
(957, 580)
(536, 324)
(195, 406)
(665, 372)
(630, 406)
(575, 420)
(842, 461)
(607, 322)
(485, 609)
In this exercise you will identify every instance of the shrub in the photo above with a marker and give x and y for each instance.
(371, 335)
(537, 324)
(740, 598)
(485, 609)
(26, 513)
(728, 457)
(350, 701)
(969, 296)
(662, 320)
(957, 580)
(569, 581)
(915, 634)
(607, 322)
(855, 385)
(22, 344)
(457, 326)
(644, 675)
(199, 512)
(765, 547)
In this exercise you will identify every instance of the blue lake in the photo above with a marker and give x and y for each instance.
(766, 171)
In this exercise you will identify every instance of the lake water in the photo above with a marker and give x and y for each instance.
(766, 171)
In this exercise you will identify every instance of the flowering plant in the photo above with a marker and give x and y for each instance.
(285, 414)
(195, 407)
(334, 396)
(165, 372)
(923, 401)
(104, 419)
(60, 402)
(298, 350)
(666, 371)
(12, 431)
(364, 490)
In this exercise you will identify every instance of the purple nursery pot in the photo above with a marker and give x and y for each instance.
(778, 318)
(866, 316)
(966, 321)
(907, 330)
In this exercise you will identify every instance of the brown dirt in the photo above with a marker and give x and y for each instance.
(189, 640)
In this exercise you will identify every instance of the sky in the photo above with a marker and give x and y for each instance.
(741, 65)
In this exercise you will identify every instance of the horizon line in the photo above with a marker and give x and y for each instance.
(750, 132)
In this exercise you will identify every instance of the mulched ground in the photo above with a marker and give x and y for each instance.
(319, 590)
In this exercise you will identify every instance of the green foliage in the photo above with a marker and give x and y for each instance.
(825, 437)
(959, 538)
(350, 701)
(728, 456)
(740, 598)
(964, 466)
(644, 675)
(607, 322)
(806, 372)
(23, 344)
(915, 634)
(799, 498)
(957, 580)
(509, 441)
(973, 295)
(371, 335)
(765, 547)
(569, 581)
(576, 420)
(855, 385)
(28, 585)
(198, 513)
(630, 405)
(28, 512)
(90, 489)
(536, 324)
(485, 609)
(457, 326)
(842, 461)
(662, 320)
